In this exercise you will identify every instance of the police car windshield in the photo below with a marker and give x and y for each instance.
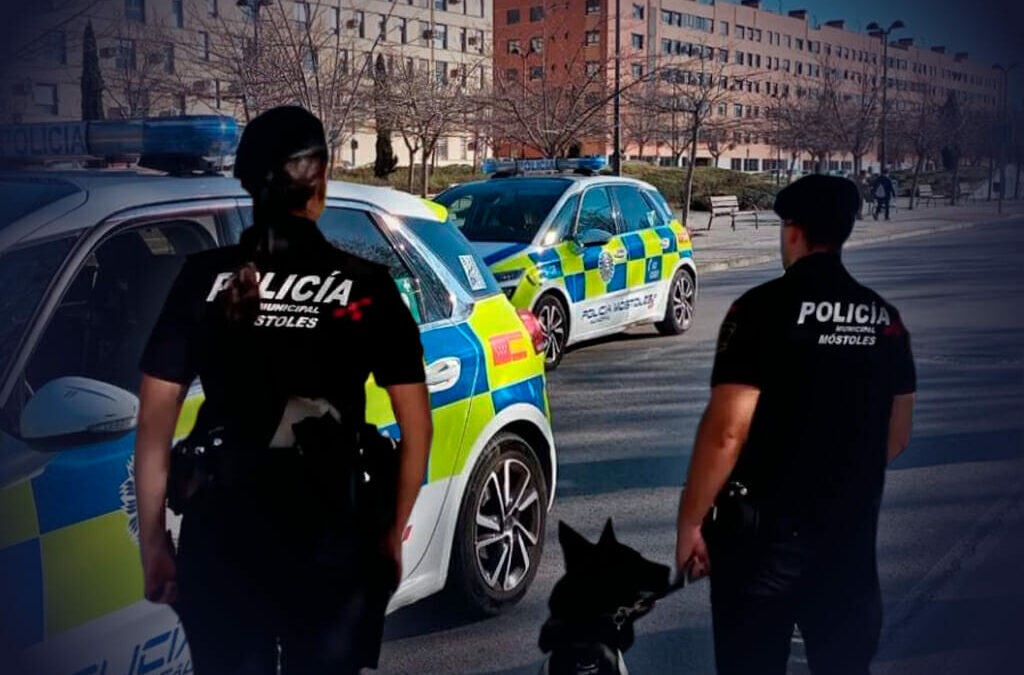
(21, 196)
(502, 209)
(457, 255)
(25, 274)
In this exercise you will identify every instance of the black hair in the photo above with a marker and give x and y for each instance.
(280, 161)
(824, 207)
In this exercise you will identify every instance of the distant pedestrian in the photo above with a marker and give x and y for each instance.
(811, 396)
(883, 191)
(866, 199)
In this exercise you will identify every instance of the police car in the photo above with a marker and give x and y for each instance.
(86, 259)
(590, 255)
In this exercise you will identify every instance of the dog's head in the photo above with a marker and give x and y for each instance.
(600, 578)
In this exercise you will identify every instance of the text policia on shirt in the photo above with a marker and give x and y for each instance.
(305, 292)
(848, 317)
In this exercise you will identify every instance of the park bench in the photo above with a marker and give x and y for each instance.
(925, 194)
(964, 192)
(729, 205)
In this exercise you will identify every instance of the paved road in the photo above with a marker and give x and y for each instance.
(625, 412)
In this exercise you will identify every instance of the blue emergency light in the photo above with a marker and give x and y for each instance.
(185, 143)
(582, 164)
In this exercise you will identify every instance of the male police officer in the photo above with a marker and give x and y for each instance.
(812, 392)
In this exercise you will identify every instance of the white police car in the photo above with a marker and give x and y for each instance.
(590, 255)
(86, 258)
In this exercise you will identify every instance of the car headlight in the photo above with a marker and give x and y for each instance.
(509, 276)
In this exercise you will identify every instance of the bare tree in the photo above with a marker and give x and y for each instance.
(850, 107)
(641, 126)
(692, 87)
(918, 127)
(144, 73)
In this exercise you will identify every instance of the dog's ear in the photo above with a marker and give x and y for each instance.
(608, 535)
(574, 546)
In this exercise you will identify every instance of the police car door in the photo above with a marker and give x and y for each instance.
(604, 264)
(452, 360)
(69, 567)
(644, 274)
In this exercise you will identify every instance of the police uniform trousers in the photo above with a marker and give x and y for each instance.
(265, 572)
(766, 582)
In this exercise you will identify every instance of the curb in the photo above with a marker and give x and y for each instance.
(750, 260)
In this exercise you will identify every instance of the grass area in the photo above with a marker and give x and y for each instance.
(753, 190)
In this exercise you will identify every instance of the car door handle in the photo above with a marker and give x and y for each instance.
(443, 374)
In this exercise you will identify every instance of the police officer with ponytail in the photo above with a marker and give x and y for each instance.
(293, 509)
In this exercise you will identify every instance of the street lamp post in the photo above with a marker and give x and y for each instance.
(875, 30)
(1005, 129)
(616, 104)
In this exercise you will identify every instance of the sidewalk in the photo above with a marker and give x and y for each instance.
(721, 248)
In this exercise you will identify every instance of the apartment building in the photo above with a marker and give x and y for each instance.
(761, 58)
(169, 57)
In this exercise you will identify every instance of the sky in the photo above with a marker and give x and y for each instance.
(991, 31)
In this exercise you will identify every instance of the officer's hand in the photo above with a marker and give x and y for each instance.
(160, 574)
(692, 553)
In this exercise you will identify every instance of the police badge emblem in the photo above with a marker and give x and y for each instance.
(606, 266)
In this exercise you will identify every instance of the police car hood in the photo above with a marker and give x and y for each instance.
(496, 251)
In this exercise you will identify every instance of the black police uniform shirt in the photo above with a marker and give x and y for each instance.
(326, 321)
(827, 355)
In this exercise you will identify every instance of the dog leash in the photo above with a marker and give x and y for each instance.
(644, 605)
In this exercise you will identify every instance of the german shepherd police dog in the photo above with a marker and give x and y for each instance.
(607, 586)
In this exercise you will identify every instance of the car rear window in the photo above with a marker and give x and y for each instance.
(21, 196)
(502, 209)
(457, 254)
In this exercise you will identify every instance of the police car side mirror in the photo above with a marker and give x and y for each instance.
(76, 409)
(594, 237)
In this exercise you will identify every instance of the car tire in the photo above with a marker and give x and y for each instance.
(487, 578)
(553, 317)
(681, 305)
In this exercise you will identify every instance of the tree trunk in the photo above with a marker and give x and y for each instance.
(412, 168)
(425, 171)
(956, 182)
(918, 165)
(688, 184)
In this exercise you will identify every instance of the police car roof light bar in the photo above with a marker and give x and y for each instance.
(181, 144)
(508, 167)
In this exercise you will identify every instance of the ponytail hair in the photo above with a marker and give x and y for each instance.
(280, 162)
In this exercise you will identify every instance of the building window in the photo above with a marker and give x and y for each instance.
(637, 40)
(512, 16)
(638, 11)
(441, 5)
(169, 59)
(751, 164)
(135, 10)
(593, 6)
(302, 15)
(537, 13)
(463, 33)
(360, 18)
(799, 44)
(211, 8)
(593, 67)
(737, 110)
(755, 34)
(512, 46)
(178, 12)
(403, 30)
(309, 60)
(204, 46)
(638, 70)
(739, 57)
(537, 44)
(723, 28)
(741, 32)
(736, 164)
(44, 96)
(382, 28)
(440, 36)
(55, 47)
(723, 56)
(442, 149)
(441, 72)
(536, 72)
(723, 110)
(334, 20)
(592, 38)
(125, 54)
